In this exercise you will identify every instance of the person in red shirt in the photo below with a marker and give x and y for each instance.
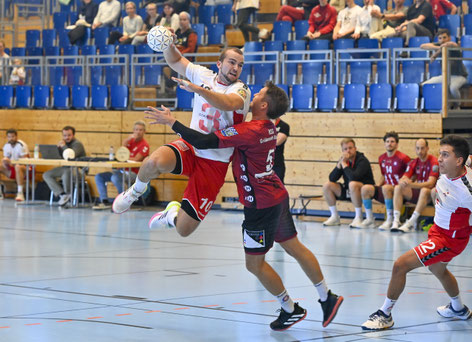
(393, 164)
(322, 21)
(415, 186)
(440, 7)
(267, 215)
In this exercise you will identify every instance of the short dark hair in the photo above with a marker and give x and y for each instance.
(12, 131)
(225, 51)
(69, 128)
(277, 100)
(444, 31)
(459, 146)
(391, 134)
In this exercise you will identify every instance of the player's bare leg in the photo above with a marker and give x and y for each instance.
(387, 191)
(332, 190)
(20, 171)
(356, 199)
(367, 193)
(423, 199)
(399, 194)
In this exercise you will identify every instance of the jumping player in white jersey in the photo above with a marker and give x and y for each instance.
(221, 100)
(447, 238)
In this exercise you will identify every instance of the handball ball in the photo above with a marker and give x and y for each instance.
(159, 38)
(68, 154)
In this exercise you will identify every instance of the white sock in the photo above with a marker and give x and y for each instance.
(389, 215)
(414, 217)
(369, 214)
(388, 306)
(20, 188)
(334, 211)
(456, 303)
(322, 289)
(287, 303)
(171, 215)
(396, 216)
(140, 186)
(358, 213)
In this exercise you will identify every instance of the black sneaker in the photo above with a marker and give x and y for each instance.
(286, 320)
(330, 307)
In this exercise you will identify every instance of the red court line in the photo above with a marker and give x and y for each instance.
(298, 298)
(181, 308)
(240, 303)
(4, 327)
(356, 296)
(441, 292)
(381, 294)
(268, 301)
(33, 324)
(95, 317)
(66, 320)
(152, 311)
(210, 306)
(127, 314)
(415, 292)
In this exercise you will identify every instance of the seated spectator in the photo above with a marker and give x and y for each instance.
(419, 22)
(296, 10)
(108, 14)
(87, 12)
(4, 61)
(346, 22)
(367, 24)
(355, 169)
(415, 186)
(50, 177)
(244, 9)
(441, 7)
(14, 149)
(393, 18)
(322, 22)
(132, 23)
(139, 149)
(393, 164)
(151, 20)
(458, 69)
(18, 74)
(170, 18)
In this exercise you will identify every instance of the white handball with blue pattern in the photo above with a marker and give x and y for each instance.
(159, 38)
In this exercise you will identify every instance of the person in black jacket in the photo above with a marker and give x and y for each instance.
(87, 12)
(355, 169)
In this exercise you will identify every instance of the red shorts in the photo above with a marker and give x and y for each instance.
(13, 172)
(441, 246)
(206, 177)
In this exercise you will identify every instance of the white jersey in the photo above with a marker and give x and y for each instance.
(208, 119)
(348, 19)
(19, 150)
(454, 202)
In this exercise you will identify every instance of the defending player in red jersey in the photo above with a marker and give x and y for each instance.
(447, 238)
(267, 215)
(393, 164)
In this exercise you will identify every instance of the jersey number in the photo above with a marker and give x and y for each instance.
(206, 206)
(270, 160)
(428, 244)
(202, 124)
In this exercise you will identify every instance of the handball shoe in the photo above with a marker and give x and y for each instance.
(163, 218)
(332, 221)
(124, 200)
(286, 320)
(386, 225)
(330, 307)
(378, 321)
(448, 311)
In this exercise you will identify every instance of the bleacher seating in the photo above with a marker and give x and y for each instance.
(6, 97)
(99, 97)
(380, 97)
(354, 97)
(23, 97)
(80, 97)
(407, 95)
(432, 97)
(302, 97)
(282, 31)
(327, 97)
(41, 96)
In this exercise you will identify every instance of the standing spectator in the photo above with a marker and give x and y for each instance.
(170, 18)
(367, 24)
(283, 132)
(151, 20)
(87, 12)
(296, 10)
(419, 22)
(355, 169)
(440, 7)
(18, 74)
(4, 61)
(108, 14)
(458, 70)
(322, 22)
(247, 8)
(393, 18)
(347, 20)
(132, 23)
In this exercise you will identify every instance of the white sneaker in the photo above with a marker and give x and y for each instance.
(356, 223)
(406, 227)
(161, 219)
(367, 224)
(63, 199)
(386, 225)
(447, 311)
(378, 321)
(20, 197)
(332, 221)
(395, 226)
(124, 200)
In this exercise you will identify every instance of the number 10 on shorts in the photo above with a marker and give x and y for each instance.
(206, 205)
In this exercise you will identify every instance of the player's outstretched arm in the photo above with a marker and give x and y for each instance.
(175, 60)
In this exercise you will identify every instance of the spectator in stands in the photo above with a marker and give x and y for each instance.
(139, 149)
(151, 19)
(419, 22)
(458, 69)
(296, 10)
(14, 149)
(415, 186)
(108, 14)
(347, 20)
(322, 22)
(283, 132)
(247, 8)
(132, 24)
(393, 18)
(50, 177)
(87, 12)
(367, 24)
(441, 7)
(170, 18)
(4, 61)
(393, 164)
(18, 74)
(355, 169)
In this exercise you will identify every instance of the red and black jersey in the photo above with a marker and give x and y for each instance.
(393, 167)
(423, 170)
(253, 159)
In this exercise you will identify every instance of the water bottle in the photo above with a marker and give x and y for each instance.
(112, 154)
(36, 151)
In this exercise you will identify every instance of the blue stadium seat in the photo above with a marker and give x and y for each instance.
(80, 97)
(407, 95)
(452, 23)
(415, 42)
(318, 44)
(18, 52)
(41, 96)
(49, 37)
(63, 38)
(224, 13)
(466, 42)
(32, 38)
(152, 74)
(89, 50)
(359, 3)
(435, 68)
(200, 30)
(125, 49)
(70, 51)
(381, 75)
(34, 51)
(113, 75)
(302, 97)
(61, 97)
(73, 75)
(282, 30)
(99, 97)
(392, 43)
(119, 96)
(413, 71)
(366, 43)
(254, 88)
(100, 34)
(380, 97)
(360, 72)
(6, 96)
(52, 51)
(252, 47)
(246, 74)
(60, 19)
(56, 74)
(327, 97)
(216, 34)
(468, 23)
(312, 73)
(23, 96)
(340, 44)
(206, 14)
(292, 68)
(354, 97)
(33, 75)
(273, 45)
(432, 97)
(184, 99)
(263, 72)
(301, 28)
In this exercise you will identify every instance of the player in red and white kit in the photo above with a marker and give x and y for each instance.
(267, 215)
(447, 238)
(221, 100)
(393, 164)
(415, 186)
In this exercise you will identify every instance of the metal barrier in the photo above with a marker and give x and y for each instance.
(366, 55)
(327, 61)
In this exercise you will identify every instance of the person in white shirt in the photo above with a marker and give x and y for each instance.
(108, 14)
(132, 24)
(347, 20)
(170, 18)
(366, 24)
(14, 149)
(4, 60)
(447, 238)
